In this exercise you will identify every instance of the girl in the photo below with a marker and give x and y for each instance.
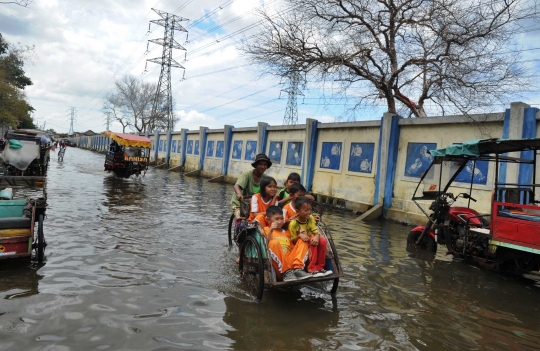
(266, 198)
(284, 193)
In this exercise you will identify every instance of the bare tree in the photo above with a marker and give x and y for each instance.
(130, 103)
(459, 55)
(23, 3)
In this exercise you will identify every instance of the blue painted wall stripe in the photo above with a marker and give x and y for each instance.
(392, 164)
(168, 146)
(227, 149)
(506, 132)
(157, 147)
(378, 174)
(202, 153)
(311, 156)
(529, 131)
(262, 147)
(184, 147)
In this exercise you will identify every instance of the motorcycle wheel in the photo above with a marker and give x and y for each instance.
(427, 246)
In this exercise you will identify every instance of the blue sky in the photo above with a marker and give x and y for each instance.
(82, 47)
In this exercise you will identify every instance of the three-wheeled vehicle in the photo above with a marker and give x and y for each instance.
(127, 154)
(26, 152)
(255, 266)
(508, 238)
(19, 236)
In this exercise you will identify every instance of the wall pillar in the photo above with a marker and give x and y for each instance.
(156, 151)
(202, 146)
(262, 136)
(513, 128)
(386, 161)
(184, 147)
(168, 146)
(227, 143)
(310, 152)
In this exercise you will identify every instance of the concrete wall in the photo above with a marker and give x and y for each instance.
(355, 165)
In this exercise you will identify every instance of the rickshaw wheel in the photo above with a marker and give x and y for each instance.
(231, 229)
(251, 267)
(40, 240)
(427, 248)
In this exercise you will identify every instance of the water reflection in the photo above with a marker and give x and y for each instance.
(18, 279)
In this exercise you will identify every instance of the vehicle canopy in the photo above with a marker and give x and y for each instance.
(482, 148)
(130, 140)
(29, 134)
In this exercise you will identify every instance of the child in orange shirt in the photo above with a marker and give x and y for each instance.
(305, 228)
(266, 198)
(288, 259)
(289, 211)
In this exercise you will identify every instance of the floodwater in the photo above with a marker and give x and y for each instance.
(144, 265)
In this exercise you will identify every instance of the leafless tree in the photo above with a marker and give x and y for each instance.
(446, 56)
(23, 3)
(130, 103)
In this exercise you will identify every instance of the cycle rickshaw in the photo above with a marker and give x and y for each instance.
(255, 266)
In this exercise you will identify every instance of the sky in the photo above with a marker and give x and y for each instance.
(83, 46)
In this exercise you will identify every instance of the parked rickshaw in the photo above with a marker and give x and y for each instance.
(127, 154)
(19, 235)
(25, 152)
(507, 238)
(255, 266)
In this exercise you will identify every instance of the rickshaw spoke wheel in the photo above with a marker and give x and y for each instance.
(231, 229)
(40, 240)
(251, 268)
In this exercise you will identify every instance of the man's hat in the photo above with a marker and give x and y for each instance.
(261, 157)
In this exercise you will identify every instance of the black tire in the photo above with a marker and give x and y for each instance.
(427, 246)
(335, 284)
(251, 268)
(230, 229)
(41, 244)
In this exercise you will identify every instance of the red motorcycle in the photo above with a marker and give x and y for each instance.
(449, 226)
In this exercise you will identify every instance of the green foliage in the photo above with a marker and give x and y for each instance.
(14, 109)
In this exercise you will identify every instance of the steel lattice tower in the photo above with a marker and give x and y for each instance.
(291, 113)
(73, 112)
(163, 96)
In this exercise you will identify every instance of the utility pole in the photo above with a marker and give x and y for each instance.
(163, 98)
(73, 113)
(291, 112)
(108, 114)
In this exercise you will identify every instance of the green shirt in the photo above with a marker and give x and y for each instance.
(248, 185)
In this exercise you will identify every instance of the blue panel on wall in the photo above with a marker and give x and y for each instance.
(294, 153)
(331, 155)
(196, 147)
(418, 159)
(361, 157)
(179, 147)
(238, 145)
(274, 151)
(210, 149)
(190, 147)
(173, 146)
(165, 145)
(251, 150)
(161, 145)
(219, 149)
(478, 174)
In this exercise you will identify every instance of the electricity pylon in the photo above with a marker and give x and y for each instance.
(163, 97)
(291, 113)
(73, 112)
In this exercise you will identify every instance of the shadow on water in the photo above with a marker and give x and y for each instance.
(19, 278)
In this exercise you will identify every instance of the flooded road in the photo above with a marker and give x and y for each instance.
(144, 265)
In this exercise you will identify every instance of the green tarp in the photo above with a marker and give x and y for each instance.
(15, 144)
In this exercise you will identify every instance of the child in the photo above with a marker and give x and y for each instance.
(289, 211)
(305, 228)
(288, 259)
(267, 197)
(284, 193)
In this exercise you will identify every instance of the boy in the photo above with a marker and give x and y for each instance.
(304, 228)
(284, 193)
(296, 190)
(288, 259)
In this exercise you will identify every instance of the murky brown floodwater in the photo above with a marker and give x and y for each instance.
(144, 265)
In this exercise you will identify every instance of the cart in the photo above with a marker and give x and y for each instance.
(26, 152)
(19, 235)
(255, 266)
(127, 154)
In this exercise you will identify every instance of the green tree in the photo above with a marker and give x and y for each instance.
(14, 109)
